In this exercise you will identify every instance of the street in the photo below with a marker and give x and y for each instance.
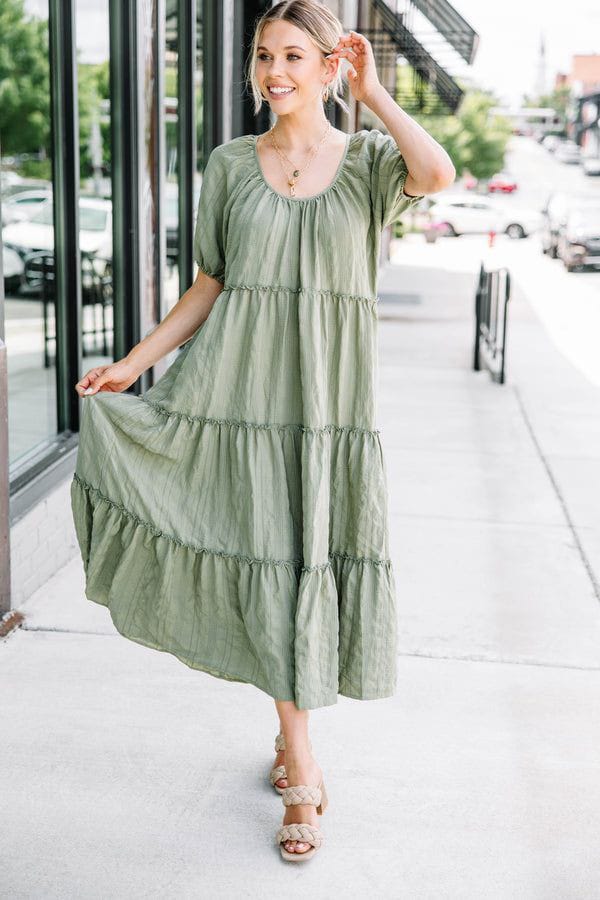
(568, 304)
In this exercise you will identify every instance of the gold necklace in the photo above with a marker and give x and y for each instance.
(291, 180)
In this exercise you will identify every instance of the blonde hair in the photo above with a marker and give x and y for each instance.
(322, 27)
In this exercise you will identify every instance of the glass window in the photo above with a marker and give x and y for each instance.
(95, 206)
(171, 194)
(199, 94)
(27, 245)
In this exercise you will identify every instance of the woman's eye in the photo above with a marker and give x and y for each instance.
(265, 55)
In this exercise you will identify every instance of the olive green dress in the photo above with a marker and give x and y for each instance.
(235, 514)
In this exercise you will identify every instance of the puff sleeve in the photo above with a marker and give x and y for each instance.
(388, 174)
(209, 232)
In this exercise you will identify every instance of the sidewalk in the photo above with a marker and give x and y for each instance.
(126, 774)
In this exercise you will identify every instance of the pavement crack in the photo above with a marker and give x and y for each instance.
(502, 660)
(559, 495)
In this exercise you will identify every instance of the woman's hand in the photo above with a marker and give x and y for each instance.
(115, 377)
(363, 79)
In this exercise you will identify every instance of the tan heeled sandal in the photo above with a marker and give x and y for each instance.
(302, 831)
(278, 772)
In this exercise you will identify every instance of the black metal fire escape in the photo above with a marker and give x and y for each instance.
(432, 87)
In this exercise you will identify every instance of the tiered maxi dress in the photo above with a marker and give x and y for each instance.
(235, 514)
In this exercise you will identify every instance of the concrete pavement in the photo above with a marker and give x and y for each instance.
(126, 774)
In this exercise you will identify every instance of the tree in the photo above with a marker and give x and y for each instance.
(24, 81)
(474, 139)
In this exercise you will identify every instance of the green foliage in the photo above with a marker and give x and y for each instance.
(474, 138)
(92, 87)
(36, 168)
(24, 81)
(558, 99)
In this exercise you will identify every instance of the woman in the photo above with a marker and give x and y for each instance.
(235, 514)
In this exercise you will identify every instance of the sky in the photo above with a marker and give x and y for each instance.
(509, 39)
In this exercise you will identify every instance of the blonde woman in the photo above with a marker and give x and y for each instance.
(235, 514)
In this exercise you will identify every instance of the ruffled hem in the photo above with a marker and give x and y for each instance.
(263, 490)
(297, 633)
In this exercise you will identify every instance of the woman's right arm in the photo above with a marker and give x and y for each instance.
(178, 326)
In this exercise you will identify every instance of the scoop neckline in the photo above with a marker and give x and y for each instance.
(325, 190)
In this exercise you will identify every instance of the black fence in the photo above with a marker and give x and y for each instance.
(491, 307)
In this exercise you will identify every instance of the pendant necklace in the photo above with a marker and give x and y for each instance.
(291, 180)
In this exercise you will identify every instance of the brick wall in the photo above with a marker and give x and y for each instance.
(41, 542)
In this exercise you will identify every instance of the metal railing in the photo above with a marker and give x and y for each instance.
(96, 293)
(491, 307)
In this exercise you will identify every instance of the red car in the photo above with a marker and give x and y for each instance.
(502, 183)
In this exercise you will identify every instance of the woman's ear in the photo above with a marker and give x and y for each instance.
(333, 66)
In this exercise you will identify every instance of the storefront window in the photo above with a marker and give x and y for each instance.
(95, 205)
(199, 117)
(28, 231)
(171, 212)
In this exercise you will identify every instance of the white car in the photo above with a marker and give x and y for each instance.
(12, 270)
(95, 229)
(568, 152)
(37, 234)
(591, 165)
(465, 214)
(550, 142)
(22, 205)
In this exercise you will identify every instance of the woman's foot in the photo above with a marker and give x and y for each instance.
(301, 769)
(280, 761)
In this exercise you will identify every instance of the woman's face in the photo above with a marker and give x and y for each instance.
(286, 57)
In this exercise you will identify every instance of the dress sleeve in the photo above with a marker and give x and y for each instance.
(388, 174)
(209, 233)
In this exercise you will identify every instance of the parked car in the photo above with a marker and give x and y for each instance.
(579, 241)
(12, 269)
(9, 179)
(465, 214)
(469, 182)
(568, 152)
(555, 213)
(22, 205)
(551, 142)
(591, 165)
(503, 183)
(37, 235)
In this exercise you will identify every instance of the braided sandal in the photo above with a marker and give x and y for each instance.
(302, 831)
(278, 772)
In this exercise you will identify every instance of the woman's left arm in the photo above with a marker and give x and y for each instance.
(430, 169)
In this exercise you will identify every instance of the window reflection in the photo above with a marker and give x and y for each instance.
(95, 205)
(28, 234)
(171, 211)
(172, 288)
(199, 101)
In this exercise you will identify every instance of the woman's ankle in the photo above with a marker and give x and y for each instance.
(299, 758)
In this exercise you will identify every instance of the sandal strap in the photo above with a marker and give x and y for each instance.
(301, 793)
(280, 743)
(277, 772)
(309, 834)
